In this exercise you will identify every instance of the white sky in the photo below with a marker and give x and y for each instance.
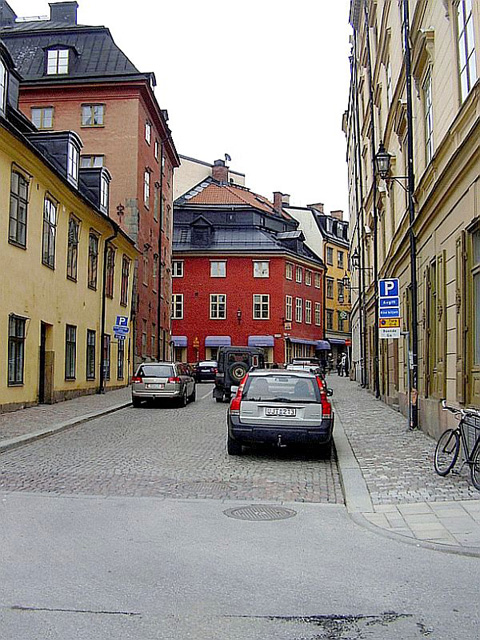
(265, 81)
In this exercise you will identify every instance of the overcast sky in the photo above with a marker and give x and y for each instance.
(265, 81)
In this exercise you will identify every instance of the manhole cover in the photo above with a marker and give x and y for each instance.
(260, 512)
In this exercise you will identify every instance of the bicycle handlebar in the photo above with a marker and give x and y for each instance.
(460, 411)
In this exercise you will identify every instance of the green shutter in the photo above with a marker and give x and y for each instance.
(440, 383)
(461, 323)
(427, 331)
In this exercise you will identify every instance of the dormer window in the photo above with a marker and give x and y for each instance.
(3, 86)
(57, 62)
(104, 192)
(73, 156)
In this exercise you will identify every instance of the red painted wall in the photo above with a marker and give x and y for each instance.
(240, 286)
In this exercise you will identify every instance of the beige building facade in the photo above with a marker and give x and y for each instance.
(434, 244)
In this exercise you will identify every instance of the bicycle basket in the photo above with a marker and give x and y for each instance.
(472, 430)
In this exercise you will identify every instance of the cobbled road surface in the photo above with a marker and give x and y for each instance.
(167, 452)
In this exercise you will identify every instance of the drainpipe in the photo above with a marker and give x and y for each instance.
(160, 356)
(101, 388)
(376, 361)
(411, 210)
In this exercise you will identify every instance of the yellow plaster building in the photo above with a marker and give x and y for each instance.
(430, 242)
(66, 267)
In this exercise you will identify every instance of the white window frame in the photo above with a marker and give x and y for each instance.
(317, 281)
(155, 149)
(318, 314)
(218, 306)
(177, 269)
(261, 269)
(467, 67)
(146, 188)
(289, 271)
(104, 192)
(73, 162)
(148, 132)
(298, 274)
(92, 161)
(261, 306)
(217, 267)
(308, 312)
(3, 86)
(298, 310)
(428, 115)
(57, 62)
(288, 308)
(308, 277)
(340, 259)
(177, 306)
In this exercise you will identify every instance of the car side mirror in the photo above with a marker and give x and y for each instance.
(329, 392)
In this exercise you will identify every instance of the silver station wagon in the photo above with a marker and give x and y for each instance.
(280, 407)
(163, 381)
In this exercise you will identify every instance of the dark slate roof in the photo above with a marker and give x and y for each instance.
(95, 53)
(339, 232)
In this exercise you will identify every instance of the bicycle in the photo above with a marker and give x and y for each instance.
(448, 445)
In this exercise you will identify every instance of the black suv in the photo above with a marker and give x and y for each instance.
(233, 364)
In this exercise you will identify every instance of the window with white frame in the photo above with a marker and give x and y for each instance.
(288, 308)
(318, 314)
(428, 115)
(218, 269)
(466, 47)
(340, 255)
(70, 351)
(261, 307)
(298, 309)
(73, 157)
(388, 73)
(308, 278)
(308, 311)
(3, 86)
(104, 192)
(298, 274)
(155, 149)
(317, 281)
(177, 269)
(177, 306)
(17, 230)
(146, 188)
(289, 271)
(93, 115)
(16, 349)
(57, 62)
(329, 256)
(148, 132)
(42, 117)
(218, 306)
(49, 232)
(261, 269)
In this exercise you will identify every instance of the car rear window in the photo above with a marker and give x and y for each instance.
(156, 371)
(281, 388)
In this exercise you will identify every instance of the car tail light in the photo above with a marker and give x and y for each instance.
(235, 404)
(137, 379)
(326, 404)
(215, 370)
(174, 379)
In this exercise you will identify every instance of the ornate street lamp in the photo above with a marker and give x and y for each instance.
(383, 161)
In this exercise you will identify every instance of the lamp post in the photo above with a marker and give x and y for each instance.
(383, 161)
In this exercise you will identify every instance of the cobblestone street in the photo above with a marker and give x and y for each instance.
(163, 452)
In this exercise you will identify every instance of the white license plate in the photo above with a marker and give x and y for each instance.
(154, 386)
(280, 411)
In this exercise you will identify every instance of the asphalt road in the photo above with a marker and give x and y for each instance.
(123, 528)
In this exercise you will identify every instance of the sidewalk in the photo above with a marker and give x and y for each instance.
(389, 480)
(386, 470)
(26, 425)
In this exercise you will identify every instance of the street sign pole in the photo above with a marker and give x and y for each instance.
(406, 358)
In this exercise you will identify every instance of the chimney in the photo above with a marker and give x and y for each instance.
(7, 15)
(65, 12)
(337, 214)
(280, 200)
(318, 207)
(220, 171)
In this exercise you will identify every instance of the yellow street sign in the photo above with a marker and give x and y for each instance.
(389, 322)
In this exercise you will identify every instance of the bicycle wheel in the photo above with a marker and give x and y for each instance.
(446, 453)
(475, 468)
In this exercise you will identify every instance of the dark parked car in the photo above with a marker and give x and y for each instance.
(280, 407)
(233, 364)
(163, 381)
(206, 370)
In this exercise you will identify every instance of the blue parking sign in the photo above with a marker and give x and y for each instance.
(122, 321)
(388, 288)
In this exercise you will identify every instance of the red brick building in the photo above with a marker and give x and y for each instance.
(242, 275)
(76, 78)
